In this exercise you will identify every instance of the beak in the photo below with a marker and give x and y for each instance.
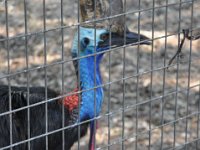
(119, 40)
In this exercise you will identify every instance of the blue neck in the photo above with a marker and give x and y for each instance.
(87, 78)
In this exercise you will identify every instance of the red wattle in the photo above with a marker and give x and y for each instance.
(71, 102)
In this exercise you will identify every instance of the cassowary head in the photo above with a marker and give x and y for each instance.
(97, 40)
(88, 44)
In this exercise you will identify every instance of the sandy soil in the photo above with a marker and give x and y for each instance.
(158, 103)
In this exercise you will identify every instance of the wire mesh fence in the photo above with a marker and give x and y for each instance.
(147, 102)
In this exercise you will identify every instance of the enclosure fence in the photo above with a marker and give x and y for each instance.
(148, 102)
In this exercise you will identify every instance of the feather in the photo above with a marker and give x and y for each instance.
(37, 119)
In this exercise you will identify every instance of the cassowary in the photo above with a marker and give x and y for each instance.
(85, 68)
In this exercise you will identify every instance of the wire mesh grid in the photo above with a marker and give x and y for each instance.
(147, 104)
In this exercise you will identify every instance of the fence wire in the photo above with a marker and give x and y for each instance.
(148, 103)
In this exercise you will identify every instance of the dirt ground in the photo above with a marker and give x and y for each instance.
(158, 103)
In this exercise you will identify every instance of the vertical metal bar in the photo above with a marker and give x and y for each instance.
(151, 84)
(198, 119)
(138, 76)
(27, 67)
(164, 74)
(109, 78)
(45, 63)
(177, 76)
(95, 121)
(78, 78)
(124, 74)
(62, 65)
(189, 73)
(8, 71)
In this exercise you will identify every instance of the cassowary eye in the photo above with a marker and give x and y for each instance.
(86, 41)
(104, 36)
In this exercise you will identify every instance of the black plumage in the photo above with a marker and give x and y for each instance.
(37, 119)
